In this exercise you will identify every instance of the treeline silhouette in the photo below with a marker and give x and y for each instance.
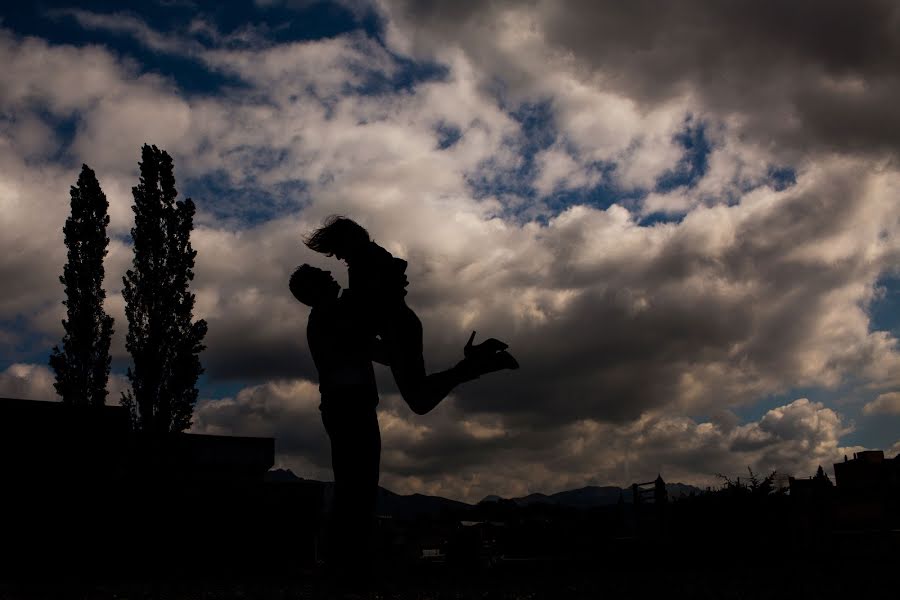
(163, 340)
(89, 487)
(82, 365)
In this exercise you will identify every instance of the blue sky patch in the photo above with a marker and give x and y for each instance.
(661, 218)
(22, 344)
(405, 76)
(883, 312)
(781, 178)
(447, 135)
(244, 204)
(600, 196)
(537, 133)
(238, 24)
(694, 162)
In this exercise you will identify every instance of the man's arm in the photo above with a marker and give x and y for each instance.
(379, 352)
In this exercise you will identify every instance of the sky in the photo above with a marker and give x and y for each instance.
(682, 217)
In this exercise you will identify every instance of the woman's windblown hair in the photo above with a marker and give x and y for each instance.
(337, 234)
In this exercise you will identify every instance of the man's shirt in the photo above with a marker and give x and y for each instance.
(341, 345)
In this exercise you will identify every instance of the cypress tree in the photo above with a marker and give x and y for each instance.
(163, 341)
(82, 365)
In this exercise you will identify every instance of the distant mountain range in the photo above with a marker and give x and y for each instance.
(413, 505)
(593, 496)
(388, 503)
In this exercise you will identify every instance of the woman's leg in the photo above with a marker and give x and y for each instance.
(377, 281)
(402, 334)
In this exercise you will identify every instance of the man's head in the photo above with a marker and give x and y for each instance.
(339, 236)
(313, 286)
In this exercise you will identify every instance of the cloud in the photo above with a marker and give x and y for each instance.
(126, 24)
(45, 87)
(625, 326)
(29, 382)
(286, 410)
(680, 302)
(893, 451)
(801, 78)
(35, 382)
(884, 404)
(457, 454)
(792, 439)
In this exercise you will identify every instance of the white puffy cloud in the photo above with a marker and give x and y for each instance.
(456, 454)
(893, 451)
(35, 382)
(29, 382)
(884, 404)
(286, 410)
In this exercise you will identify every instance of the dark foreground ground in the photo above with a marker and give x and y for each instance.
(861, 568)
(734, 583)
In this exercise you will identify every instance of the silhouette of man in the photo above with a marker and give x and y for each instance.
(342, 352)
(378, 282)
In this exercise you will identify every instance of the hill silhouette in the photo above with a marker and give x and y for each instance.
(389, 504)
(592, 496)
(410, 506)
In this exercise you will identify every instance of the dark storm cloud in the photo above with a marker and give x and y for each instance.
(814, 76)
(732, 303)
(458, 455)
(610, 320)
(257, 330)
(236, 351)
(624, 328)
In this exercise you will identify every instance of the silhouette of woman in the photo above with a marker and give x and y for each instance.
(378, 282)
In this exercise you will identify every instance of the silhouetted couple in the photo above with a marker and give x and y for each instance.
(346, 332)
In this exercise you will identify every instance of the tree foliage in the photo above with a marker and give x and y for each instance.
(164, 342)
(751, 486)
(82, 365)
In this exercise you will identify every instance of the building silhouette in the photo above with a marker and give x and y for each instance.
(868, 470)
(83, 493)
